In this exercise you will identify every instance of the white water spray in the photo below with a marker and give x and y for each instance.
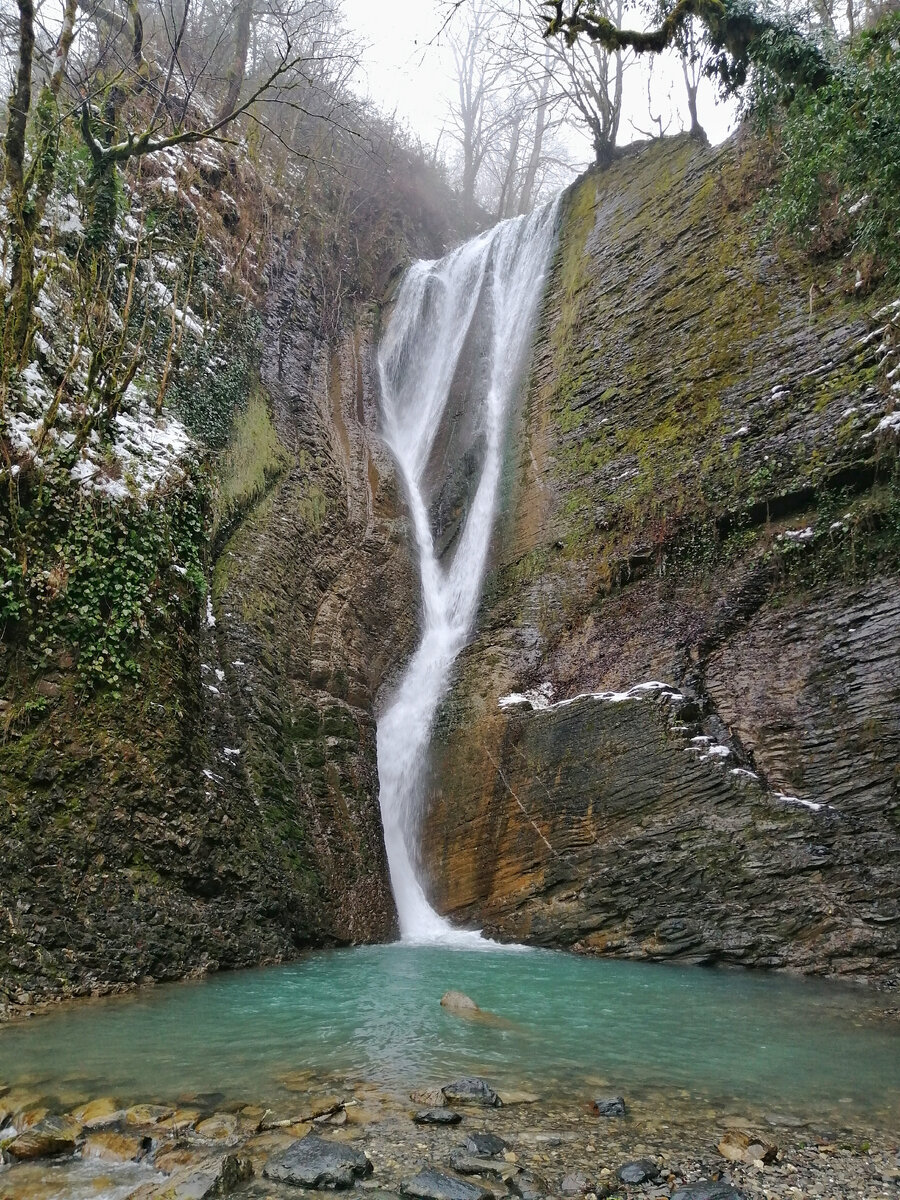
(496, 278)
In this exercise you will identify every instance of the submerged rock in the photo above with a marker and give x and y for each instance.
(471, 1090)
(458, 1002)
(609, 1106)
(431, 1184)
(314, 1162)
(485, 1145)
(575, 1184)
(437, 1116)
(643, 1170)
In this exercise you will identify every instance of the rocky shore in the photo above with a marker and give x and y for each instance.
(463, 1140)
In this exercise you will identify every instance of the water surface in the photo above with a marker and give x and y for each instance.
(566, 1026)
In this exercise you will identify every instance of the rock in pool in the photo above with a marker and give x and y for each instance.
(437, 1116)
(458, 1002)
(471, 1090)
(641, 1171)
(485, 1145)
(314, 1162)
(609, 1106)
(430, 1184)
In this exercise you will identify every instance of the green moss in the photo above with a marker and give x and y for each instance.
(252, 460)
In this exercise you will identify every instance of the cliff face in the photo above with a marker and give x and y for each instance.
(224, 811)
(699, 493)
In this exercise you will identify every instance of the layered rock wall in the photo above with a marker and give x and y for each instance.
(698, 492)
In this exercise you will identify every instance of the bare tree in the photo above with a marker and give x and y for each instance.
(590, 77)
(478, 113)
(141, 82)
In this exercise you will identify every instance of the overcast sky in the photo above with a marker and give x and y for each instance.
(406, 69)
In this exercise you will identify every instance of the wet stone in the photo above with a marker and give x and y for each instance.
(528, 1186)
(219, 1127)
(708, 1191)
(640, 1171)
(459, 1002)
(575, 1184)
(609, 1106)
(437, 1116)
(431, 1184)
(147, 1114)
(471, 1164)
(51, 1136)
(314, 1162)
(109, 1146)
(96, 1113)
(471, 1090)
(485, 1145)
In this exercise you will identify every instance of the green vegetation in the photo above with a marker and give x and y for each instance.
(99, 576)
(838, 186)
(253, 458)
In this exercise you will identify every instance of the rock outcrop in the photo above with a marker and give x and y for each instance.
(698, 493)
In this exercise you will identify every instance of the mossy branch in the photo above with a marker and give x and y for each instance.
(739, 34)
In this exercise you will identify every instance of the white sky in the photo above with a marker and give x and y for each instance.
(406, 72)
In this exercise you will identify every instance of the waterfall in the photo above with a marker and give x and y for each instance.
(488, 288)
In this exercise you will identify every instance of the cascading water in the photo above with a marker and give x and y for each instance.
(496, 278)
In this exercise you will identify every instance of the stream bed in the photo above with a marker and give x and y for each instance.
(556, 1024)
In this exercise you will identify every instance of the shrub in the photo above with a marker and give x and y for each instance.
(839, 187)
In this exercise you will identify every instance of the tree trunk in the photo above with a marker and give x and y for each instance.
(238, 68)
(18, 319)
(526, 197)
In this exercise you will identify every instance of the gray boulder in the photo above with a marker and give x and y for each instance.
(609, 1106)
(314, 1162)
(437, 1116)
(430, 1184)
(640, 1171)
(485, 1145)
(471, 1090)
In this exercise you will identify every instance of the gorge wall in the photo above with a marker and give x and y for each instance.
(223, 811)
(702, 490)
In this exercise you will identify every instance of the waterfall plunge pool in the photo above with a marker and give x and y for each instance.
(564, 1026)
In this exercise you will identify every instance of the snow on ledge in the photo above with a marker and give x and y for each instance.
(539, 698)
(796, 800)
